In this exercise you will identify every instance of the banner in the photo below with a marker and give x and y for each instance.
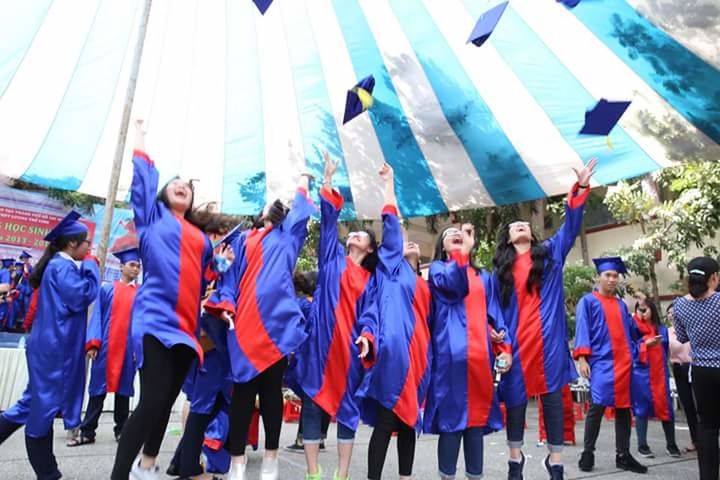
(28, 229)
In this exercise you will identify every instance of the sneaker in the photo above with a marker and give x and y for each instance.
(322, 446)
(338, 477)
(556, 472)
(515, 469)
(270, 469)
(137, 473)
(645, 452)
(295, 448)
(625, 461)
(673, 451)
(316, 476)
(173, 470)
(587, 461)
(237, 471)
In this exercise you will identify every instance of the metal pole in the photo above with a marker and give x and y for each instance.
(122, 135)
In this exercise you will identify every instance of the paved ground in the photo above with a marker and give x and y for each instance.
(95, 461)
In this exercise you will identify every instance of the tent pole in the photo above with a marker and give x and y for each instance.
(122, 135)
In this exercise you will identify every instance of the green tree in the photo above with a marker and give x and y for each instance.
(578, 279)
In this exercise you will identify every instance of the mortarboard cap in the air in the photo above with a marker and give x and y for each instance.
(263, 5)
(486, 24)
(603, 117)
(569, 3)
(359, 98)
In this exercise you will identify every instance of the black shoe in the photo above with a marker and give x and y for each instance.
(557, 472)
(515, 469)
(645, 452)
(625, 461)
(173, 470)
(295, 448)
(322, 446)
(673, 451)
(587, 461)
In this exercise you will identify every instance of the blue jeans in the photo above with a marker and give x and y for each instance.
(449, 449)
(553, 413)
(311, 419)
(641, 427)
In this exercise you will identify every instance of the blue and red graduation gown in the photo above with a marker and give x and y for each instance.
(327, 368)
(605, 334)
(651, 374)
(6, 306)
(218, 459)
(399, 379)
(536, 320)
(258, 290)
(113, 370)
(56, 346)
(464, 308)
(177, 262)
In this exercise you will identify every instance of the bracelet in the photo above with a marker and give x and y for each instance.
(583, 186)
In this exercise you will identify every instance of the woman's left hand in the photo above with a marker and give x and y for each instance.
(364, 346)
(497, 337)
(585, 174)
(227, 252)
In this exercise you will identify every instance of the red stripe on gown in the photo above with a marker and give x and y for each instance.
(622, 360)
(123, 296)
(406, 407)
(529, 329)
(250, 331)
(337, 363)
(479, 381)
(192, 248)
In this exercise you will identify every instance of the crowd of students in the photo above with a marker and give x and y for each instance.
(218, 317)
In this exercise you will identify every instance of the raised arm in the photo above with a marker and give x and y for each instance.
(331, 203)
(144, 183)
(449, 280)
(391, 249)
(295, 223)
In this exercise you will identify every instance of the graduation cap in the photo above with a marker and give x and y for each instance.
(66, 227)
(7, 262)
(569, 3)
(231, 235)
(131, 254)
(263, 5)
(486, 24)
(604, 264)
(603, 117)
(359, 98)
(24, 254)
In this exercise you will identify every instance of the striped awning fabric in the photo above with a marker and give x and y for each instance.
(242, 102)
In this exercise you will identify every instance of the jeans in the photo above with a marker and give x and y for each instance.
(449, 449)
(553, 413)
(312, 419)
(641, 426)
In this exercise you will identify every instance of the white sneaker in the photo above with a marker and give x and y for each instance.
(237, 471)
(138, 473)
(270, 469)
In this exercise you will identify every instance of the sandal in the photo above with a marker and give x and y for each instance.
(690, 449)
(80, 440)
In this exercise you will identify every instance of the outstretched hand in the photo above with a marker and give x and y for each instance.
(468, 234)
(585, 174)
(386, 173)
(330, 169)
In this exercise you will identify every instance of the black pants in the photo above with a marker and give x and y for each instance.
(324, 425)
(121, 411)
(267, 385)
(7, 428)
(593, 420)
(706, 385)
(41, 457)
(161, 377)
(684, 390)
(187, 453)
(387, 423)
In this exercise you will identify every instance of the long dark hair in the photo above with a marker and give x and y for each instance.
(371, 260)
(57, 245)
(162, 196)
(697, 285)
(654, 312)
(276, 213)
(504, 259)
(440, 254)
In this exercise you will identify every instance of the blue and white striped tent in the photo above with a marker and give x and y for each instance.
(242, 101)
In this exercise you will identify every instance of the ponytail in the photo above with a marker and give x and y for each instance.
(697, 285)
(57, 245)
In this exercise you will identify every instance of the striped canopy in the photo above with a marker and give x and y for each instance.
(242, 102)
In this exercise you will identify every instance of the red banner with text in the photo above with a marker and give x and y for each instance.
(27, 228)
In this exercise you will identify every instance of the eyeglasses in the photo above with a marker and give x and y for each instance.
(451, 231)
(519, 224)
(358, 234)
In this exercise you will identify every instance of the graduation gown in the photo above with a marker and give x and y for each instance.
(398, 381)
(56, 346)
(536, 321)
(461, 393)
(6, 306)
(651, 374)
(605, 334)
(113, 370)
(258, 289)
(327, 368)
(177, 262)
(218, 459)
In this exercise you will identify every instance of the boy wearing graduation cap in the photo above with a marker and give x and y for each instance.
(604, 339)
(5, 291)
(108, 345)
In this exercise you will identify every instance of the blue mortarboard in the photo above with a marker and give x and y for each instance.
(359, 98)
(263, 5)
(603, 117)
(8, 262)
(230, 236)
(486, 24)
(19, 264)
(569, 3)
(66, 227)
(609, 263)
(25, 254)
(128, 255)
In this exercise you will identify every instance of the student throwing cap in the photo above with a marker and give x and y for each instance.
(604, 344)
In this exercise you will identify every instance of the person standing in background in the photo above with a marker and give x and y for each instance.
(680, 359)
